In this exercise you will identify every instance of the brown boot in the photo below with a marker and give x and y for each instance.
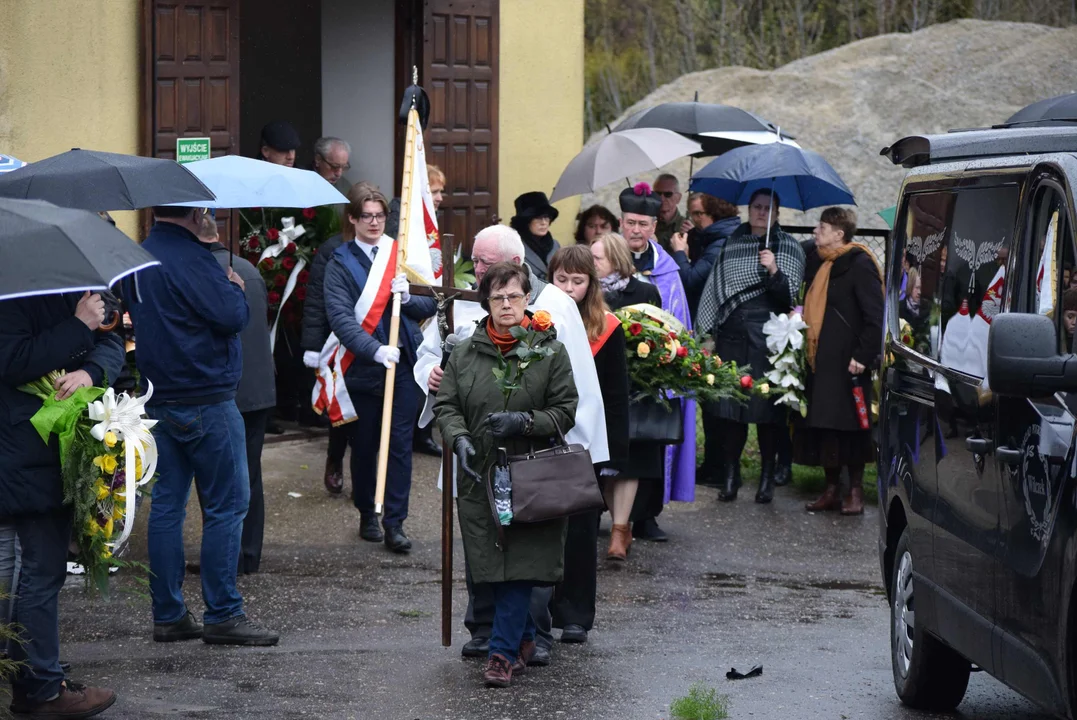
(497, 673)
(523, 656)
(74, 701)
(854, 503)
(620, 538)
(829, 500)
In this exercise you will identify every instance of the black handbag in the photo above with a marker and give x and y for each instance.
(649, 421)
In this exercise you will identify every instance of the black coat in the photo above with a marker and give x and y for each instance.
(611, 363)
(852, 329)
(635, 293)
(315, 323)
(39, 335)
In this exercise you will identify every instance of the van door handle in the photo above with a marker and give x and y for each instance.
(979, 446)
(1008, 455)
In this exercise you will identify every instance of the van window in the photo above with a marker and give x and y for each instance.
(920, 261)
(974, 278)
(1052, 242)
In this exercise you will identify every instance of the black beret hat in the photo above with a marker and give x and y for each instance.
(280, 135)
(640, 200)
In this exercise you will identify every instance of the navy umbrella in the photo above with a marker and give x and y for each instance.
(717, 128)
(1061, 110)
(48, 250)
(103, 181)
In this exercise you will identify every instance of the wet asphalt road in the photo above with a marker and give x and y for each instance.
(737, 585)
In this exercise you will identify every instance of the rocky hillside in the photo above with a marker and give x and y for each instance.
(850, 102)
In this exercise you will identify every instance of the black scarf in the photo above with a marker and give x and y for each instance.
(541, 246)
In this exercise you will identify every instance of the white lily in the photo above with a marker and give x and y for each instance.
(126, 418)
(784, 331)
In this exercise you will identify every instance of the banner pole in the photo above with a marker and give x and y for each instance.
(448, 484)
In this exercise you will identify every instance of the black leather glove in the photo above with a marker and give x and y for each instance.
(464, 451)
(508, 424)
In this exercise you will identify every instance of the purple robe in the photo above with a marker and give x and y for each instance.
(680, 459)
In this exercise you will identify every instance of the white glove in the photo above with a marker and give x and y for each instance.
(400, 285)
(387, 356)
(310, 359)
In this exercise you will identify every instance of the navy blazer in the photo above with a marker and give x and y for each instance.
(341, 293)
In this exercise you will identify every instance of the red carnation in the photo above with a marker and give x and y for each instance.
(651, 344)
(288, 262)
(304, 276)
(706, 353)
(746, 382)
(673, 336)
(635, 328)
(290, 250)
(309, 213)
(300, 294)
(280, 281)
(273, 297)
(682, 352)
(269, 264)
(255, 243)
(273, 234)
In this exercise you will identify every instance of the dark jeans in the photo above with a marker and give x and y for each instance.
(44, 540)
(207, 442)
(250, 555)
(481, 609)
(574, 598)
(364, 436)
(512, 618)
(338, 445)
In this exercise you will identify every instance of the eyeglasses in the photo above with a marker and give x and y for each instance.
(372, 217)
(334, 166)
(511, 299)
(667, 194)
(697, 213)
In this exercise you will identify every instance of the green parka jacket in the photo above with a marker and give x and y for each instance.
(533, 551)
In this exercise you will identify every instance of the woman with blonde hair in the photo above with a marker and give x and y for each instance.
(573, 606)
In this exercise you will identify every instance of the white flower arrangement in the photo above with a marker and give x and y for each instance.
(785, 341)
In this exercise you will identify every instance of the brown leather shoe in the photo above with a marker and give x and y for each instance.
(334, 478)
(74, 702)
(620, 538)
(497, 673)
(523, 656)
(829, 500)
(854, 503)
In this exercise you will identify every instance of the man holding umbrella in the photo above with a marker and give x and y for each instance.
(38, 335)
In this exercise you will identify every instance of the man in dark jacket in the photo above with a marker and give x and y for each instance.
(188, 314)
(39, 335)
(257, 392)
(346, 276)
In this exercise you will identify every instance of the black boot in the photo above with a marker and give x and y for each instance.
(730, 483)
(766, 484)
(783, 475)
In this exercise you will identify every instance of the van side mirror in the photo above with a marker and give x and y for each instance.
(1022, 360)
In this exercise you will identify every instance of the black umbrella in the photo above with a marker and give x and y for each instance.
(47, 250)
(717, 128)
(1061, 110)
(93, 180)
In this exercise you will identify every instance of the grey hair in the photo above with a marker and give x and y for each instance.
(509, 243)
(324, 145)
(672, 178)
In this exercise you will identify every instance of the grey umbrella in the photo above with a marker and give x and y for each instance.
(718, 128)
(102, 181)
(620, 155)
(47, 250)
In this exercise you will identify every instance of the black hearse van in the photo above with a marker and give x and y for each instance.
(977, 473)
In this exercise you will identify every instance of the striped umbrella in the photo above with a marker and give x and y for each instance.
(9, 163)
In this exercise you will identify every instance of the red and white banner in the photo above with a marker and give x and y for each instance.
(330, 393)
(422, 241)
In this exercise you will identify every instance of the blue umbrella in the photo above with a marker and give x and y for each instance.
(801, 178)
(241, 182)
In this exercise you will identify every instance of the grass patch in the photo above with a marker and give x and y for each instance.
(807, 479)
(701, 703)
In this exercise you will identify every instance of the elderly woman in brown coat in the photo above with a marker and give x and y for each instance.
(844, 312)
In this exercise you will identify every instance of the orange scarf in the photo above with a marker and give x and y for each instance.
(815, 302)
(504, 342)
(612, 323)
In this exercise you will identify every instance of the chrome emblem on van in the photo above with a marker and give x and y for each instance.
(1036, 484)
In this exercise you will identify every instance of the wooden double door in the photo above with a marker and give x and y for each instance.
(191, 89)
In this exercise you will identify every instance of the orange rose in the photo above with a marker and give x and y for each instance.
(541, 321)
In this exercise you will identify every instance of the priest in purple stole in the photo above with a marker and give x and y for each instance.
(639, 218)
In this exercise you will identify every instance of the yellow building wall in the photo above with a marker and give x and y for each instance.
(69, 77)
(540, 107)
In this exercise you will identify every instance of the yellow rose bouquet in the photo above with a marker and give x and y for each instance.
(107, 456)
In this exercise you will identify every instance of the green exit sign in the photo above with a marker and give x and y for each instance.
(190, 149)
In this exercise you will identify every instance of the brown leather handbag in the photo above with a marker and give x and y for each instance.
(553, 483)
